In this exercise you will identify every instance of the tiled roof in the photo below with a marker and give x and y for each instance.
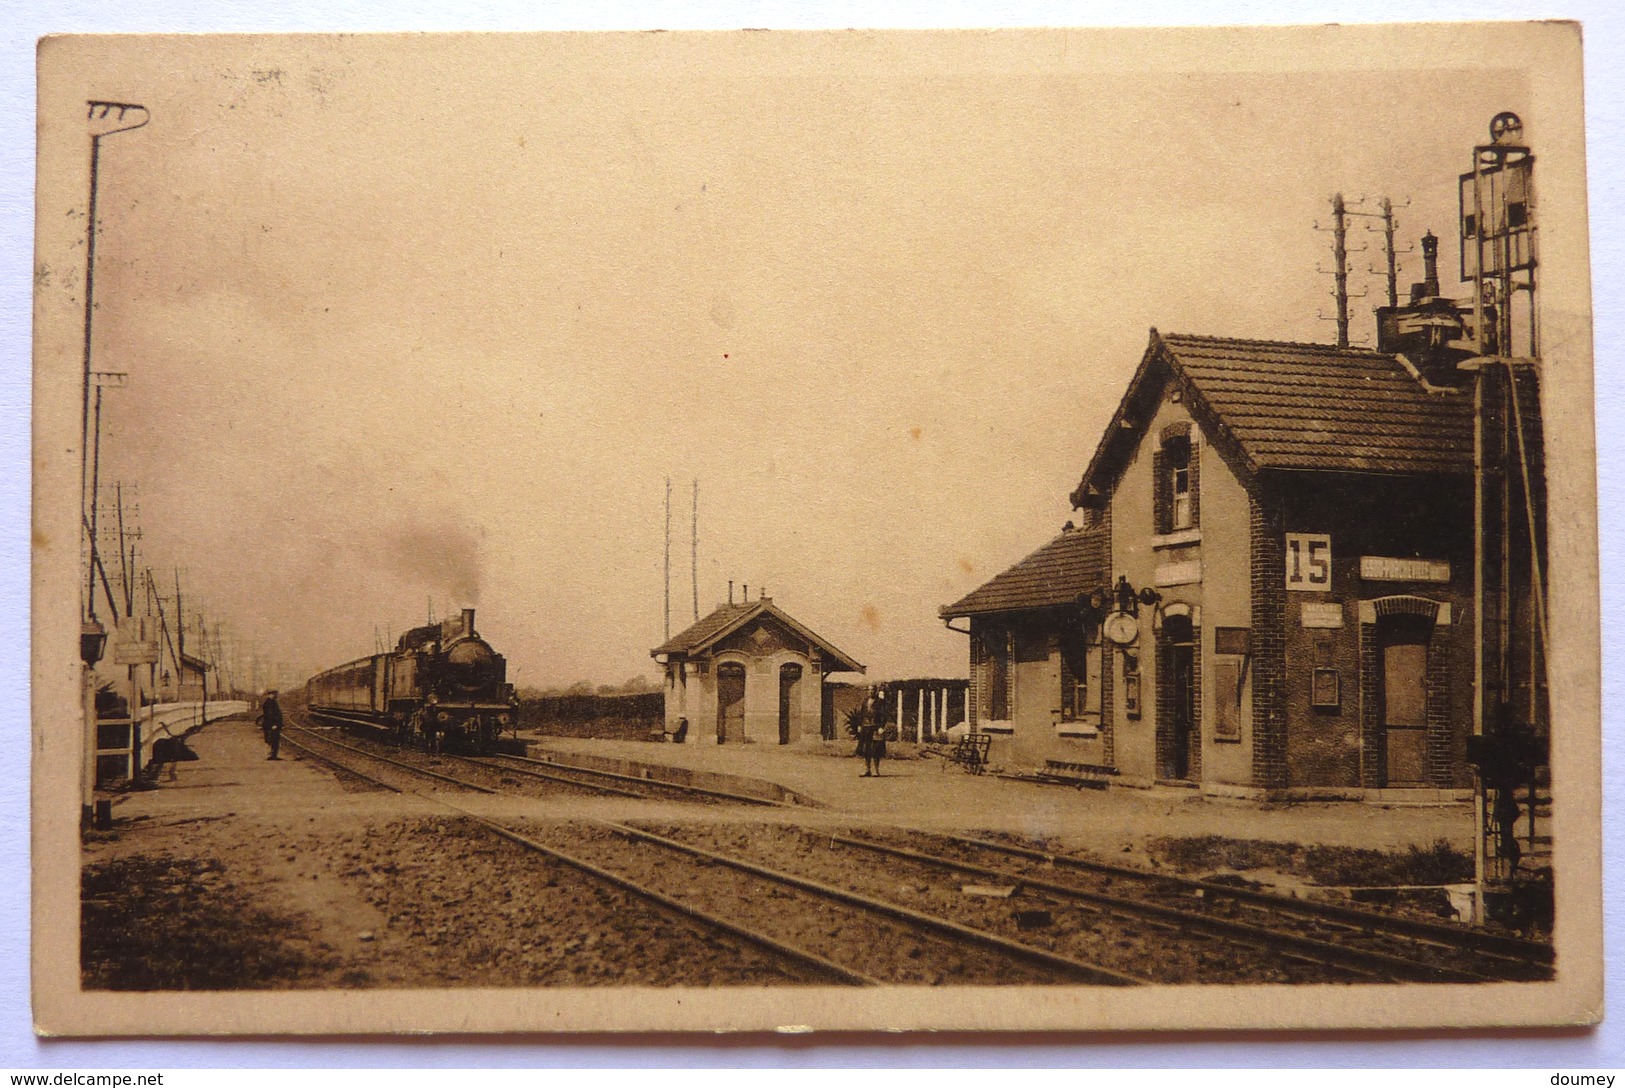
(704, 630)
(1307, 406)
(1075, 562)
(1295, 407)
(730, 617)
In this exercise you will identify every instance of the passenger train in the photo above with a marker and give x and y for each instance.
(441, 688)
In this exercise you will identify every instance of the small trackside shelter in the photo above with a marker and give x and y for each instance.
(747, 673)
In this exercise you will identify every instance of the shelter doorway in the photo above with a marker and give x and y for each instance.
(789, 702)
(730, 702)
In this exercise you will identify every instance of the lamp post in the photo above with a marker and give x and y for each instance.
(104, 119)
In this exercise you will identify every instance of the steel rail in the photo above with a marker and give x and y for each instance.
(488, 762)
(402, 764)
(812, 959)
(1513, 948)
(772, 944)
(345, 767)
(724, 794)
(501, 769)
(1324, 953)
(1055, 961)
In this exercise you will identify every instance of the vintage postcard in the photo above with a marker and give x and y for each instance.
(1028, 530)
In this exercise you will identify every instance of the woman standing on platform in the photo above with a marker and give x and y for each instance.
(872, 734)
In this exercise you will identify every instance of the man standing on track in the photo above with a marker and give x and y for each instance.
(271, 723)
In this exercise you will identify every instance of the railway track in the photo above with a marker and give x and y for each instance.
(1191, 942)
(588, 779)
(832, 933)
(815, 968)
(1499, 956)
(1026, 916)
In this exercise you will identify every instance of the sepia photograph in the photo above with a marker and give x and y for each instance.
(1007, 530)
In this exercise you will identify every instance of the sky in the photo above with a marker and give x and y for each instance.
(420, 322)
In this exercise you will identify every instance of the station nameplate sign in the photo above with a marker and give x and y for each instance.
(1178, 574)
(1378, 568)
(135, 652)
(1322, 614)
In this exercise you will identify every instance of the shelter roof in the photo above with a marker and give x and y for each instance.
(705, 633)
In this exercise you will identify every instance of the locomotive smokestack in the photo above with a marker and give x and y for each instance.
(468, 620)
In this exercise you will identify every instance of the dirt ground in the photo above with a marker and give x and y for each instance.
(243, 872)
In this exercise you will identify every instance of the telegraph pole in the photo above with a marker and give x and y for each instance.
(104, 119)
(668, 558)
(694, 552)
(1340, 266)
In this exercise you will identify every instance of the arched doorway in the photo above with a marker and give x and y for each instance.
(1402, 661)
(789, 702)
(1176, 698)
(730, 702)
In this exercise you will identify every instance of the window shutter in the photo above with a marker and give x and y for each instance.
(973, 691)
(1196, 486)
(1069, 707)
(1162, 499)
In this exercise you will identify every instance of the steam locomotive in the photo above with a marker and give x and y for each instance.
(442, 688)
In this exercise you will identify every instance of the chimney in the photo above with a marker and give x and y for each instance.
(468, 620)
(1430, 265)
(730, 591)
(1429, 330)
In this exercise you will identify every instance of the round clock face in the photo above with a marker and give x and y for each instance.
(1121, 628)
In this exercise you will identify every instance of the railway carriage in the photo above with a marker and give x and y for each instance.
(442, 686)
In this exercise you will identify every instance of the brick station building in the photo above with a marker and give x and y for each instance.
(1270, 589)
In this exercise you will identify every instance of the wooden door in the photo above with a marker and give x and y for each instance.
(730, 703)
(1182, 659)
(1176, 690)
(789, 703)
(1404, 687)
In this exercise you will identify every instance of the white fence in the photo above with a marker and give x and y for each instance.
(174, 719)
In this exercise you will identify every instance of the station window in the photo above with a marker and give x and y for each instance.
(1175, 465)
(1074, 676)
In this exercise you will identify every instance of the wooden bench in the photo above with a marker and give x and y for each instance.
(970, 752)
(1092, 776)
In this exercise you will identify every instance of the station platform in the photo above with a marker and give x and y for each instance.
(822, 784)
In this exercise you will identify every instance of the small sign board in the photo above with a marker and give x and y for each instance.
(135, 651)
(1232, 640)
(1380, 568)
(1322, 614)
(1326, 690)
(1178, 574)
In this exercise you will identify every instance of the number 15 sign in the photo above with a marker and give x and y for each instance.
(1309, 561)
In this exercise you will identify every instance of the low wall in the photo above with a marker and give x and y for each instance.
(174, 719)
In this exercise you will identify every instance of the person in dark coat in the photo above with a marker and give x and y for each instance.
(872, 735)
(271, 723)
